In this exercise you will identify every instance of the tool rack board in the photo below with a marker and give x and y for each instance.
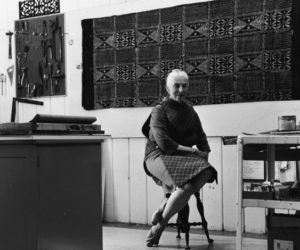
(40, 68)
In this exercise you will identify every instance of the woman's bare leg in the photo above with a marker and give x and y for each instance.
(200, 180)
(181, 196)
(176, 202)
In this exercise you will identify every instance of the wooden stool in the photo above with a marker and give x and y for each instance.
(183, 225)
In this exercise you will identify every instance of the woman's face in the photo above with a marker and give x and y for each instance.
(178, 88)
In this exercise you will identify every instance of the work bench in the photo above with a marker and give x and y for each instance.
(50, 192)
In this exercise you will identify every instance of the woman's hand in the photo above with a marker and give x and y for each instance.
(191, 150)
(203, 154)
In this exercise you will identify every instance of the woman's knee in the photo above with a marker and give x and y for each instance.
(188, 188)
(200, 180)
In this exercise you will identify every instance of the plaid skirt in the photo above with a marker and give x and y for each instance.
(177, 170)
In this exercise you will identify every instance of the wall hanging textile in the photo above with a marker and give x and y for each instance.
(40, 67)
(32, 8)
(233, 50)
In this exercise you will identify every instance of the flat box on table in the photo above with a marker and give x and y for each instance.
(258, 195)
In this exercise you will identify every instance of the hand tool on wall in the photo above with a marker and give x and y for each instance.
(45, 32)
(19, 54)
(44, 42)
(51, 78)
(57, 35)
(9, 34)
(2, 85)
(46, 80)
(26, 50)
(10, 73)
(59, 75)
(60, 49)
(50, 49)
(45, 51)
(41, 75)
(24, 27)
(24, 78)
(31, 89)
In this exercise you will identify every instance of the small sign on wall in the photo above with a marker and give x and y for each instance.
(254, 170)
(283, 245)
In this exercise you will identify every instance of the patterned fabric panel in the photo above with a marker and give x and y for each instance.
(104, 95)
(148, 90)
(233, 51)
(246, 6)
(33, 8)
(148, 19)
(196, 12)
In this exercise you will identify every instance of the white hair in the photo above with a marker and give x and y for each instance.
(173, 74)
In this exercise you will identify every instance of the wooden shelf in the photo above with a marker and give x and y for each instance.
(269, 148)
(279, 204)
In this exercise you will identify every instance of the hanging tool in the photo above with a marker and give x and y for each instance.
(24, 78)
(51, 77)
(24, 27)
(19, 54)
(50, 49)
(31, 89)
(57, 76)
(41, 75)
(26, 49)
(2, 81)
(46, 79)
(9, 34)
(44, 42)
(57, 36)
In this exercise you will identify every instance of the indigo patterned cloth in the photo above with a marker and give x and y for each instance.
(233, 50)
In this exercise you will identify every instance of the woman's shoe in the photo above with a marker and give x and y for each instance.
(154, 234)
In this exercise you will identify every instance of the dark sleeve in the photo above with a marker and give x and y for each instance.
(202, 143)
(159, 130)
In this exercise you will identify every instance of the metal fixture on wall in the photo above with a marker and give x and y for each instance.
(9, 34)
(3, 84)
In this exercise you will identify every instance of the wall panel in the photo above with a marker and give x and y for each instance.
(58, 105)
(106, 163)
(255, 220)
(229, 158)
(154, 197)
(26, 112)
(138, 195)
(212, 192)
(121, 179)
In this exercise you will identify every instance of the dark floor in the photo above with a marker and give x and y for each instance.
(132, 237)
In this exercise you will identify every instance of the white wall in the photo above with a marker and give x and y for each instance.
(130, 195)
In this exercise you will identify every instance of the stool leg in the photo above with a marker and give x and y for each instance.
(183, 224)
(187, 240)
(201, 212)
(178, 226)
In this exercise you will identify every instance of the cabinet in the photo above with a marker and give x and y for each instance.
(265, 150)
(50, 192)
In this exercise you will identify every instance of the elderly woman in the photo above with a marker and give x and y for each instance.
(170, 155)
